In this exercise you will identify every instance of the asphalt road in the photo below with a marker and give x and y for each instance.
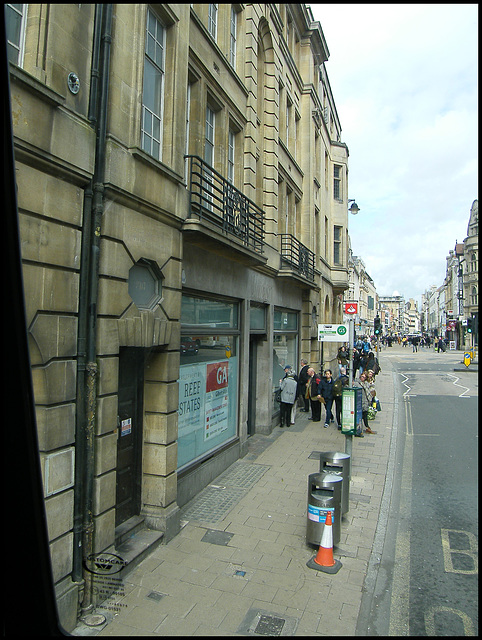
(425, 581)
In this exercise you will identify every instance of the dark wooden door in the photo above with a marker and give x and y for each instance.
(129, 436)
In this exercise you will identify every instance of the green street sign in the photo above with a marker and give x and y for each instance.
(332, 333)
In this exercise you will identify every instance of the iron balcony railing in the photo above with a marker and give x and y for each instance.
(298, 256)
(215, 199)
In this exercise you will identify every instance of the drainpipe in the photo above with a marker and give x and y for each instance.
(89, 275)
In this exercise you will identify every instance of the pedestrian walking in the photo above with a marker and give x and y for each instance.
(366, 400)
(362, 363)
(342, 381)
(342, 357)
(370, 381)
(313, 394)
(356, 361)
(293, 410)
(372, 363)
(302, 380)
(326, 391)
(289, 389)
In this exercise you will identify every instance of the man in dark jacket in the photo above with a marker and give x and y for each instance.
(342, 381)
(302, 380)
(325, 389)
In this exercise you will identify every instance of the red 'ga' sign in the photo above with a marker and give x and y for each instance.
(216, 376)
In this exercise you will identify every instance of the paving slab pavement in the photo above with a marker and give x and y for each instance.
(238, 566)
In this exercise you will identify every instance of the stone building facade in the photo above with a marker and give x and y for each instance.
(182, 193)
(446, 309)
(361, 288)
(470, 276)
(392, 312)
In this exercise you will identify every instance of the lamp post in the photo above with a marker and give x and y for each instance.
(353, 209)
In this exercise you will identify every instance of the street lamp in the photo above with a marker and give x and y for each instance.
(354, 209)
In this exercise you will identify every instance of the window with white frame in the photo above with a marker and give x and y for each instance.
(186, 148)
(209, 154)
(288, 118)
(209, 136)
(232, 38)
(337, 176)
(15, 19)
(337, 236)
(231, 152)
(153, 86)
(213, 20)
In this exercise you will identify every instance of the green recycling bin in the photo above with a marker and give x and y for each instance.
(339, 464)
(324, 494)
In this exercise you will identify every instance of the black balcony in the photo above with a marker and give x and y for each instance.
(299, 257)
(216, 201)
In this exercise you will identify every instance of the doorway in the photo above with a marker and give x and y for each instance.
(252, 384)
(129, 433)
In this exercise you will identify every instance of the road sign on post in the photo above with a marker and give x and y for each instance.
(351, 308)
(332, 333)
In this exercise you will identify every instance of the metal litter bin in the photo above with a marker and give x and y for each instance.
(324, 494)
(339, 464)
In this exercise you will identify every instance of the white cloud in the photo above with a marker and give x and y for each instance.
(404, 80)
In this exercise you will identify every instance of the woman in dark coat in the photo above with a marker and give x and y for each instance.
(313, 394)
(372, 363)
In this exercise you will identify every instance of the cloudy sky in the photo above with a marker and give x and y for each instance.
(404, 80)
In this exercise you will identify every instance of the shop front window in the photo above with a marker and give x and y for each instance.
(208, 380)
(257, 318)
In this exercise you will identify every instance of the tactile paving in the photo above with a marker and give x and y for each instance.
(217, 499)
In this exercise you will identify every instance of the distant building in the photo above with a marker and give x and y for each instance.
(470, 275)
(361, 289)
(393, 308)
(411, 317)
(446, 310)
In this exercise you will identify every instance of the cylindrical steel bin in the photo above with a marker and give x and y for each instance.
(338, 464)
(324, 494)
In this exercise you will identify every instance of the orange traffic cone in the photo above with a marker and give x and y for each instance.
(324, 561)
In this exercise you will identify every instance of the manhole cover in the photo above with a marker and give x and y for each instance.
(217, 537)
(266, 623)
(269, 626)
(94, 620)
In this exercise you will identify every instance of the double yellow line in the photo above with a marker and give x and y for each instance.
(400, 599)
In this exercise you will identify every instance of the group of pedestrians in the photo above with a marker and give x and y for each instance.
(313, 390)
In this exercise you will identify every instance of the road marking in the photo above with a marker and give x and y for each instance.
(408, 418)
(459, 385)
(404, 382)
(430, 620)
(471, 552)
(400, 596)
(432, 373)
